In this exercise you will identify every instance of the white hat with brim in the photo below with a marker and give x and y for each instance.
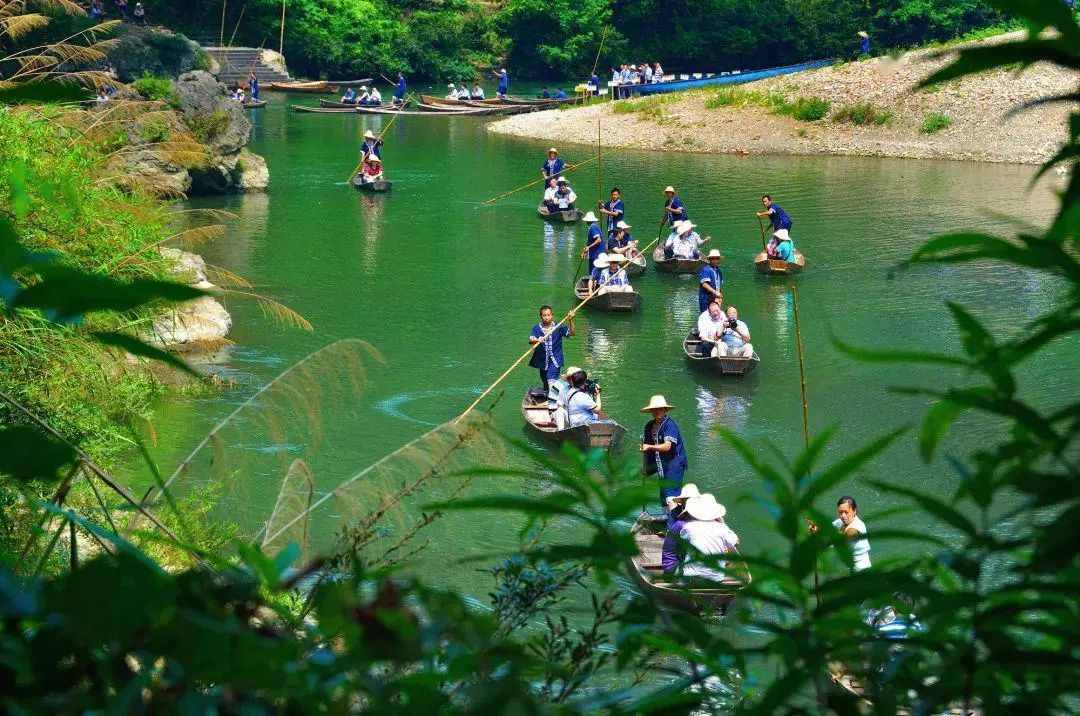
(374, 158)
(715, 254)
(601, 261)
(617, 258)
(571, 370)
(622, 225)
(677, 226)
(657, 402)
(553, 150)
(669, 188)
(589, 216)
(688, 490)
(369, 135)
(705, 508)
(562, 180)
(862, 33)
(686, 226)
(450, 85)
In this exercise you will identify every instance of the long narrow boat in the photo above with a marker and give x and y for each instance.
(322, 110)
(727, 365)
(648, 532)
(779, 267)
(345, 105)
(350, 83)
(254, 103)
(376, 187)
(636, 266)
(605, 434)
(316, 87)
(388, 110)
(665, 265)
(481, 110)
(568, 216)
(495, 101)
(621, 301)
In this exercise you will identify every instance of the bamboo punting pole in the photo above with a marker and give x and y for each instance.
(566, 170)
(281, 39)
(802, 368)
(377, 140)
(221, 34)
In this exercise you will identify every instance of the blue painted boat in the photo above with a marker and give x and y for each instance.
(727, 79)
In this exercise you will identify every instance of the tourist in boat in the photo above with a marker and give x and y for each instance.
(253, 86)
(549, 195)
(371, 145)
(451, 91)
(371, 170)
(374, 97)
(780, 245)
(621, 242)
(504, 84)
(349, 97)
(477, 92)
(564, 195)
(684, 242)
(558, 390)
(676, 518)
(613, 209)
(710, 282)
(710, 329)
(238, 94)
(854, 529)
(735, 340)
(709, 536)
(561, 94)
(399, 90)
(594, 239)
(663, 449)
(363, 98)
(553, 166)
(673, 207)
(547, 358)
(612, 276)
(582, 407)
(463, 91)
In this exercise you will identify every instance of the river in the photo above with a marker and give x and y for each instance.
(446, 290)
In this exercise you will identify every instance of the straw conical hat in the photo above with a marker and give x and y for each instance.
(715, 254)
(601, 261)
(688, 490)
(589, 216)
(657, 402)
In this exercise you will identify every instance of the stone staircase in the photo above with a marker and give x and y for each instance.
(236, 62)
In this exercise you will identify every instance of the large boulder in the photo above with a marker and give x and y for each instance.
(253, 174)
(155, 51)
(196, 325)
(274, 60)
(148, 170)
(216, 120)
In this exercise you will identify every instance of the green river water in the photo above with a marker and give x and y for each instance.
(446, 290)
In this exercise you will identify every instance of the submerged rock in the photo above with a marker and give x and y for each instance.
(196, 325)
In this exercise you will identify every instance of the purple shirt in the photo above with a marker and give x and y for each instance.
(669, 553)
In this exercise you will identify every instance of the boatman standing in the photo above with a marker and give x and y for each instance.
(613, 209)
(780, 245)
(253, 86)
(504, 84)
(594, 240)
(548, 356)
(399, 90)
(371, 145)
(662, 448)
(553, 166)
(673, 207)
(710, 282)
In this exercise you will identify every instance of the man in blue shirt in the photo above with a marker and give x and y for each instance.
(553, 166)
(594, 240)
(613, 210)
(710, 282)
(621, 242)
(662, 448)
(548, 356)
(780, 245)
(504, 83)
(864, 42)
(371, 145)
(399, 91)
(673, 207)
(594, 84)
(561, 94)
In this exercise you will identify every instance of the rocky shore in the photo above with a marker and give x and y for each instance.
(743, 119)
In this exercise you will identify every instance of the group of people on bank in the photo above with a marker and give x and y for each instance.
(627, 75)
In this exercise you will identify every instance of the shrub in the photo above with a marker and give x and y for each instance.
(206, 127)
(935, 122)
(862, 114)
(153, 87)
(651, 107)
(804, 109)
(155, 130)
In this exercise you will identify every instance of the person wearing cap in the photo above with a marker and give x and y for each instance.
(710, 282)
(564, 195)
(582, 407)
(477, 92)
(780, 245)
(399, 89)
(684, 242)
(594, 239)
(612, 275)
(451, 91)
(549, 195)
(613, 209)
(558, 389)
(362, 97)
(711, 325)
(676, 518)
(372, 170)
(553, 166)
(371, 145)
(735, 338)
(662, 448)
(374, 97)
(621, 242)
(673, 207)
(708, 536)
(504, 84)
(547, 358)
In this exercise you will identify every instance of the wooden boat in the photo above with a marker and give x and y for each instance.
(351, 83)
(479, 110)
(388, 110)
(495, 101)
(636, 266)
(648, 532)
(665, 265)
(609, 300)
(779, 267)
(316, 87)
(322, 110)
(604, 435)
(376, 187)
(335, 104)
(569, 216)
(254, 103)
(727, 365)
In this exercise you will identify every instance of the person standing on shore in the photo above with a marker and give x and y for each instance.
(864, 42)
(662, 448)
(780, 245)
(504, 84)
(673, 207)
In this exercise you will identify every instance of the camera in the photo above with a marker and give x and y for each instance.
(732, 323)
(591, 387)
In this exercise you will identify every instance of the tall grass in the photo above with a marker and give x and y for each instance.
(862, 114)
(806, 109)
(935, 122)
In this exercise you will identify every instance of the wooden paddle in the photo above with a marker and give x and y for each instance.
(764, 243)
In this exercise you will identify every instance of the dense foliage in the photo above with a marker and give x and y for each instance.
(460, 39)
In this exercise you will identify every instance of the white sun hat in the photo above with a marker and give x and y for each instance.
(657, 402)
(686, 226)
(616, 258)
(669, 188)
(622, 225)
(571, 370)
(561, 180)
(369, 135)
(715, 254)
(589, 216)
(688, 490)
(553, 150)
(601, 261)
(705, 508)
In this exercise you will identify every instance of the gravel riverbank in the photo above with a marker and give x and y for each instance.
(979, 126)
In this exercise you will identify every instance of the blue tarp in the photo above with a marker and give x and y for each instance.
(751, 76)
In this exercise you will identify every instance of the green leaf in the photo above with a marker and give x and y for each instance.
(867, 355)
(510, 503)
(626, 499)
(935, 426)
(937, 508)
(975, 60)
(44, 91)
(841, 470)
(805, 461)
(68, 293)
(28, 454)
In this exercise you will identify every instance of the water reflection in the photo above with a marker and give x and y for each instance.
(558, 241)
(371, 223)
(777, 310)
(727, 407)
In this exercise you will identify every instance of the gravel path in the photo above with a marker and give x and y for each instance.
(978, 107)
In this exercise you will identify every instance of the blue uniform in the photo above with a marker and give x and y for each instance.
(595, 82)
(710, 275)
(614, 242)
(620, 212)
(594, 234)
(864, 46)
(548, 355)
(668, 466)
(254, 88)
(371, 146)
(560, 95)
(779, 218)
(552, 168)
(399, 91)
(504, 83)
(675, 203)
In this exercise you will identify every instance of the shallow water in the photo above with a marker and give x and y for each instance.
(446, 290)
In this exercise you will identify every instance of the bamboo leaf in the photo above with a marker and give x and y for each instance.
(943, 511)
(841, 470)
(935, 426)
(136, 347)
(27, 454)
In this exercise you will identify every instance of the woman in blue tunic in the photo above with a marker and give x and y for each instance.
(399, 90)
(548, 356)
(662, 448)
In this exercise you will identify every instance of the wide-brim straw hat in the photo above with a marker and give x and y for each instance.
(715, 254)
(617, 258)
(589, 216)
(657, 402)
(862, 33)
(687, 226)
(450, 85)
(553, 150)
(369, 135)
(705, 508)
(571, 371)
(677, 226)
(688, 490)
(669, 188)
(622, 225)
(561, 180)
(601, 261)
(374, 158)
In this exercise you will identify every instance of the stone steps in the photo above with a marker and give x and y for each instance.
(237, 62)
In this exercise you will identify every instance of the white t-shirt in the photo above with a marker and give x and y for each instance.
(710, 330)
(580, 405)
(375, 96)
(733, 339)
(708, 538)
(549, 193)
(860, 548)
(565, 200)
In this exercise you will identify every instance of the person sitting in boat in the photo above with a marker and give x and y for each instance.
(582, 406)
(363, 99)
(371, 145)
(564, 195)
(780, 245)
(544, 93)
(621, 242)
(684, 242)
(612, 277)
(102, 96)
(558, 390)
(547, 358)
(711, 325)
(676, 518)
(553, 166)
(853, 528)
(477, 92)
(674, 211)
(549, 195)
(463, 91)
(710, 282)
(708, 536)
(399, 90)
(374, 97)
(451, 91)
(504, 84)
(662, 448)
(594, 239)
(561, 94)
(349, 97)
(613, 209)
(371, 170)
(735, 339)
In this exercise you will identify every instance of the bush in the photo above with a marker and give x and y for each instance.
(157, 88)
(862, 114)
(651, 107)
(804, 109)
(935, 122)
(206, 127)
(154, 131)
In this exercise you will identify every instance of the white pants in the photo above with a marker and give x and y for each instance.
(616, 289)
(724, 351)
